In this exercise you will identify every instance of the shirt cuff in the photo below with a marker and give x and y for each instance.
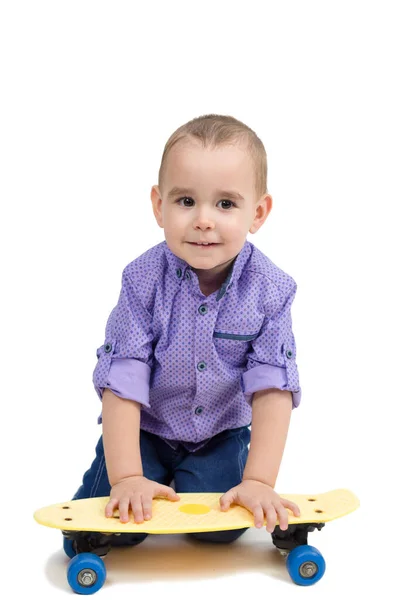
(128, 378)
(265, 377)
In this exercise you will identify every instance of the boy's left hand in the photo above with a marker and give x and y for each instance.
(260, 499)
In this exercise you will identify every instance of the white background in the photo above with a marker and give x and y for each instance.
(90, 92)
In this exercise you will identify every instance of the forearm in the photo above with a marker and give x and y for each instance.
(271, 412)
(121, 432)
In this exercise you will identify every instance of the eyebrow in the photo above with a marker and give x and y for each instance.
(175, 191)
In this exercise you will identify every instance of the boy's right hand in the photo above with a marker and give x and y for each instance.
(137, 492)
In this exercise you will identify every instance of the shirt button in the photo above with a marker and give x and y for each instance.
(203, 309)
(107, 348)
(187, 275)
(201, 366)
(179, 272)
(289, 353)
(199, 410)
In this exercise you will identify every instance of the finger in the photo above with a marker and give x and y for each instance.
(282, 516)
(271, 518)
(124, 510)
(110, 507)
(292, 506)
(258, 515)
(147, 504)
(137, 508)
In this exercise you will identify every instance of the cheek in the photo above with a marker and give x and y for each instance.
(172, 217)
(235, 224)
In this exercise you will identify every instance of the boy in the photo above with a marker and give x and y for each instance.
(200, 344)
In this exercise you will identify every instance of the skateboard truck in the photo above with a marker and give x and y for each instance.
(295, 535)
(95, 543)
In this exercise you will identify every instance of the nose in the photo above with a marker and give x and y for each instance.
(203, 220)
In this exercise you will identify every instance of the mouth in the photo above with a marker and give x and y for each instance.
(202, 245)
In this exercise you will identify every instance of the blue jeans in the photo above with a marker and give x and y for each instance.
(216, 467)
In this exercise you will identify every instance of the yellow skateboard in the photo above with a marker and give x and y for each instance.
(88, 532)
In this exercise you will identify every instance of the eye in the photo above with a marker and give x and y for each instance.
(191, 199)
(229, 201)
(184, 198)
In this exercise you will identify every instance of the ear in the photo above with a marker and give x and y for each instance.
(156, 201)
(262, 210)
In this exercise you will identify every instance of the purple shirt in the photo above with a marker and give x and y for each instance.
(193, 361)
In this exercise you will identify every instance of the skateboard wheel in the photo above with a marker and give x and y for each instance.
(69, 548)
(86, 573)
(305, 565)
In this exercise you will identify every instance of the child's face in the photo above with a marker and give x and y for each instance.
(205, 211)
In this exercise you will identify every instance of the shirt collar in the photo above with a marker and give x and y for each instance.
(178, 268)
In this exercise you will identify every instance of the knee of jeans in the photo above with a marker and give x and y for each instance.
(224, 537)
(128, 539)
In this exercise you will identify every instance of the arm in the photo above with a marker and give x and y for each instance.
(121, 430)
(271, 412)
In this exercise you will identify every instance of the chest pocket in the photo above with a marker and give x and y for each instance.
(233, 340)
(233, 336)
(233, 348)
(240, 325)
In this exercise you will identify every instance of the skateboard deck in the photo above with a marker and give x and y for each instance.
(194, 512)
(87, 531)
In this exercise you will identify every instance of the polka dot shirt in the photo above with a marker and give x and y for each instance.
(194, 361)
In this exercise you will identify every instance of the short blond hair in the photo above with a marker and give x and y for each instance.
(215, 131)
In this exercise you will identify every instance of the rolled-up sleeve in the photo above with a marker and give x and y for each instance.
(271, 362)
(125, 359)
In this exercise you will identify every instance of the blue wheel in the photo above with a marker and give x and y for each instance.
(69, 548)
(86, 573)
(305, 565)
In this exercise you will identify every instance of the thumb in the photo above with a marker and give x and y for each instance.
(110, 507)
(226, 500)
(174, 495)
(169, 493)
